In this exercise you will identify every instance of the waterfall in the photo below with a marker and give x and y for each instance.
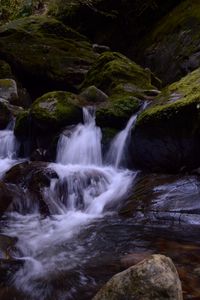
(83, 146)
(117, 152)
(8, 148)
(79, 196)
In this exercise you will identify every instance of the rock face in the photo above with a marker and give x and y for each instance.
(167, 134)
(8, 90)
(155, 278)
(46, 54)
(126, 84)
(171, 50)
(102, 19)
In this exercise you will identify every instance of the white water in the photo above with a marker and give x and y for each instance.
(8, 149)
(78, 197)
(118, 149)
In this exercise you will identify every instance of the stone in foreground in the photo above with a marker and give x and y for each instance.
(154, 278)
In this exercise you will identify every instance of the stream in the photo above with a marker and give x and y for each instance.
(96, 227)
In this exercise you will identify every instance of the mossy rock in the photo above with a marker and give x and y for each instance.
(8, 90)
(22, 124)
(171, 50)
(126, 84)
(104, 21)
(56, 109)
(45, 54)
(166, 136)
(5, 70)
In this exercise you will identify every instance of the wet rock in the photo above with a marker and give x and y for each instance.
(104, 21)
(171, 50)
(8, 90)
(7, 246)
(54, 110)
(51, 57)
(31, 178)
(154, 278)
(5, 70)
(126, 84)
(93, 95)
(6, 197)
(8, 267)
(100, 48)
(167, 134)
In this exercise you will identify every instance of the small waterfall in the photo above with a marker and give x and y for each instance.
(78, 197)
(83, 146)
(9, 144)
(8, 149)
(117, 152)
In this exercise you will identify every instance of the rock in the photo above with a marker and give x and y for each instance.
(93, 95)
(31, 178)
(8, 267)
(153, 278)
(171, 50)
(8, 90)
(7, 112)
(126, 84)
(22, 124)
(54, 110)
(166, 136)
(104, 21)
(6, 197)
(100, 48)
(5, 70)
(51, 56)
(7, 246)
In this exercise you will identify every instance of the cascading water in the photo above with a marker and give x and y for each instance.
(8, 149)
(78, 197)
(118, 149)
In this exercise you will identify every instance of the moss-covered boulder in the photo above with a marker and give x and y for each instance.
(45, 54)
(8, 90)
(119, 24)
(126, 84)
(171, 50)
(166, 136)
(5, 70)
(55, 109)
(22, 124)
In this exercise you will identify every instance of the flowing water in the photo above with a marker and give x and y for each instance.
(70, 253)
(85, 192)
(8, 149)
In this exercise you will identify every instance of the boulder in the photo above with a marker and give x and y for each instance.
(8, 90)
(126, 84)
(119, 24)
(155, 278)
(30, 178)
(171, 50)
(46, 54)
(5, 70)
(166, 136)
(6, 197)
(55, 109)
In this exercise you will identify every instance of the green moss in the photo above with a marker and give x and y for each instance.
(6, 83)
(22, 123)
(45, 49)
(5, 70)
(112, 69)
(116, 113)
(56, 109)
(180, 98)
